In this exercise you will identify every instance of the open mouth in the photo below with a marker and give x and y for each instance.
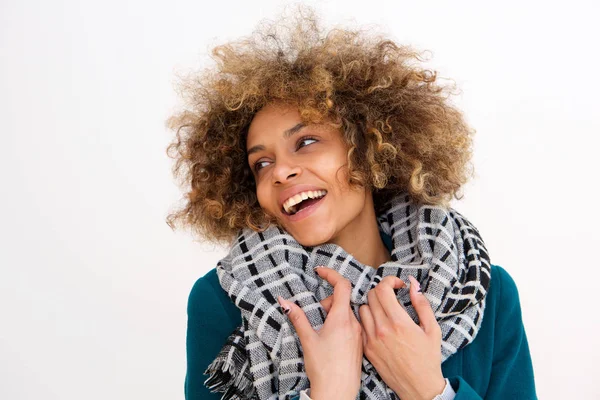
(301, 201)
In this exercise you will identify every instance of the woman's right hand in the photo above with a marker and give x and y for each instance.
(332, 355)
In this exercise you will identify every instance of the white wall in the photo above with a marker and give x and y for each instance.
(94, 284)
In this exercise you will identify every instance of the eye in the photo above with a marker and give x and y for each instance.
(305, 139)
(258, 165)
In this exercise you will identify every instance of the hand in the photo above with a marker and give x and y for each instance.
(333, 355)
(406, 356)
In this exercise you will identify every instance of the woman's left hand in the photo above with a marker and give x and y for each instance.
(407, 356)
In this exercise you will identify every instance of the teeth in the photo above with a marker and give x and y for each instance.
(289, 204)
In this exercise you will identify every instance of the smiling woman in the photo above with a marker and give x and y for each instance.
(302, 182)
(303, 150)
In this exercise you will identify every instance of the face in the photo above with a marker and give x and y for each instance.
(301, 177)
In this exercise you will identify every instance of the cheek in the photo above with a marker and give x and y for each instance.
(263, 194)
(337, 171)
(260, 195)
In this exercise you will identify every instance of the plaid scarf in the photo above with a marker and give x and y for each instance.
(263, 359)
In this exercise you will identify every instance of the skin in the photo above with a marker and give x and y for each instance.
(407, 356)
(315, 155)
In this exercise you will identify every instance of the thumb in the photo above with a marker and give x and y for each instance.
(298, 319)
(423, 308)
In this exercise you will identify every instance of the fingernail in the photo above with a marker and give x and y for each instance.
(316, 269)
(286, 309)
(415, 282)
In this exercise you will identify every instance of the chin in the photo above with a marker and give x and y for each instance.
(311, 237)
(308, 242)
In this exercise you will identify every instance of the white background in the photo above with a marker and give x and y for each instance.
(94, 284)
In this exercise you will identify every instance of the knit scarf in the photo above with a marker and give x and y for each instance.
(263, 358)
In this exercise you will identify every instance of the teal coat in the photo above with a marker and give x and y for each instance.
(496, 365)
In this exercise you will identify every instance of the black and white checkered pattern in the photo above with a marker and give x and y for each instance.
(263, 358)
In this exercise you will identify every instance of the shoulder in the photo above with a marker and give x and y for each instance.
(209, 302)
(504, 307)
(503, 288)
(202, 291)
(502, 311)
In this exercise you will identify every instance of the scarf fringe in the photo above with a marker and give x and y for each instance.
(221, 371)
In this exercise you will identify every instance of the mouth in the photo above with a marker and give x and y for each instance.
(303, 204)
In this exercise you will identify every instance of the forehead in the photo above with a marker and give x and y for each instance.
(272, 120)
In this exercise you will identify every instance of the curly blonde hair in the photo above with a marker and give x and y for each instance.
(402, 132)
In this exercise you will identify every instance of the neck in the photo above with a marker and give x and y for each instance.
(361, 237)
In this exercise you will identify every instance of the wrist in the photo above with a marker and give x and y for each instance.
(330, 393)
(435, 389)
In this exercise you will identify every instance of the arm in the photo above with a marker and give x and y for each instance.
(512, 370)
(208, 328)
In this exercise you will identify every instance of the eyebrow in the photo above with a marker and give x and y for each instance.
(286, 134)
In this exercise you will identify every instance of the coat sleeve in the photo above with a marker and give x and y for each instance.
(512, 369)
(207, 331)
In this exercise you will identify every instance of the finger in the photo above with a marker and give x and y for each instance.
(368, 326)
(364, 338)
(341, 289)
(423, 307)
(327, 302)
(366, 320)
(389, 302)
(330, 275)
(379, 316)
(298, 319)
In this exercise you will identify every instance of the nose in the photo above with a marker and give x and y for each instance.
(284, 171)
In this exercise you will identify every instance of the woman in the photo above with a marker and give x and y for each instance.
(305, 150)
